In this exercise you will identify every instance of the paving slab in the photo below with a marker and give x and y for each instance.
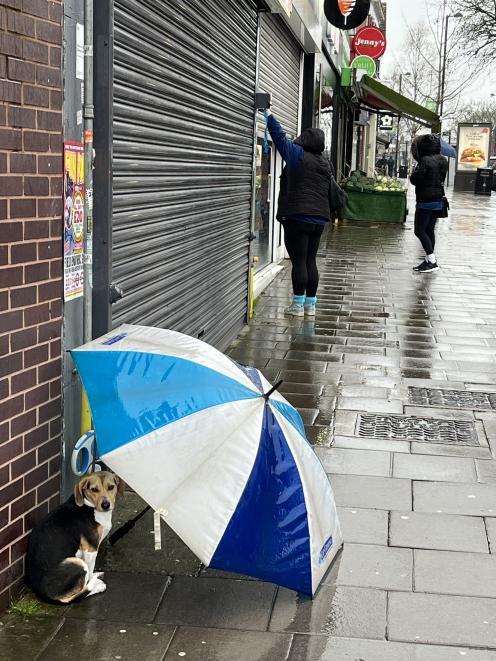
(486, 471)
(491, 534)
(217, 602)
(22, 638)
(361, 526)
(429, 467)
(355, 462)
(341, 611)
(105, 641)
(201, 644)
(370, 404)
(320, 648)
(114, 604)
(381, 493)
(464, 574)
(367, 443)
(462, 498)
(442, 619)
(445, 450)
(376, 567)
(438, 531)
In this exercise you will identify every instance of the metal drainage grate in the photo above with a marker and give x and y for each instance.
(455, 399)
(422, 430)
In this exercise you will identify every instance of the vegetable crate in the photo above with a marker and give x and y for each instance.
(376, 206)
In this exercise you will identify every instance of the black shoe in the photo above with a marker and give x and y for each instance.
(427, 267)
(420, 267)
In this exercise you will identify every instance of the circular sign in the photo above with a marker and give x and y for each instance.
(370, 41)
(346, 14)
(365, 63)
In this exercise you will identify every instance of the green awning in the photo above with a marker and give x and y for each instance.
(376, 96)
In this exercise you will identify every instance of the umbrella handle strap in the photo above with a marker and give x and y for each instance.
(272, 390)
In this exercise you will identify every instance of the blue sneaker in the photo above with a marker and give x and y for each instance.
(295, 310)
(309, 307)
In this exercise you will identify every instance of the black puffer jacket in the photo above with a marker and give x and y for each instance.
(305, 188)
(430, 172)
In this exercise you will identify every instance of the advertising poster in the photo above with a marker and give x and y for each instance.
(473, 146)
(73, 219)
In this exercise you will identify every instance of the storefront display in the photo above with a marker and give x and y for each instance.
(376, 199)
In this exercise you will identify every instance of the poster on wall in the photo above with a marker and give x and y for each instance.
(473, 146)
(346, 14)
(73, 219)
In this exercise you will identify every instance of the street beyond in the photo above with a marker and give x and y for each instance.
(396, 383)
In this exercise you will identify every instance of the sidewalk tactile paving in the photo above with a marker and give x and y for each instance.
(421, 430)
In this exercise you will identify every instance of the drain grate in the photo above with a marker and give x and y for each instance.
(422, 430)
(455, 399)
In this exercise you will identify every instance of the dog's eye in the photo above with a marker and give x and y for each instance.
(111, 486)
(95, 489)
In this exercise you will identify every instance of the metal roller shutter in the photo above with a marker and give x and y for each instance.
(184, 83)
(279, 70)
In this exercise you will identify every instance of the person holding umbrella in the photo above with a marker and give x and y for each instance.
(308, 197)
(428, 178)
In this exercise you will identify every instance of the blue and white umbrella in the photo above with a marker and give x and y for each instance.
(229, 469)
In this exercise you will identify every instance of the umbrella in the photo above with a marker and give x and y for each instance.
(447, 150)
(213, 448)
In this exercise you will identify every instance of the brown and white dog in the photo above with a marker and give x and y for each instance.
(62, 549)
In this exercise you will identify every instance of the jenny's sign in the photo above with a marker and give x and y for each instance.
(370, 41)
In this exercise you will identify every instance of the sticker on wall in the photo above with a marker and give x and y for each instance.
(73, 219)
(346, 14)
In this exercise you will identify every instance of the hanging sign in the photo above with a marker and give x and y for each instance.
(73, 219)
(346, 14)
(386, 122)
(365, 64)
(370, 41)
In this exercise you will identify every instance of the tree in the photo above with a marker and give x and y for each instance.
(477, 31)
(480, 111)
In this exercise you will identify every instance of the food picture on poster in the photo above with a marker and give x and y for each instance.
(473, 146)
(73, 219)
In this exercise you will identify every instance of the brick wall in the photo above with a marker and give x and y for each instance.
(30, 274)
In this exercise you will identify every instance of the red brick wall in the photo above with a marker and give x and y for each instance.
(30, 274)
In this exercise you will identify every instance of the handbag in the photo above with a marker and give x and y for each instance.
(337, 197)
(443, 213)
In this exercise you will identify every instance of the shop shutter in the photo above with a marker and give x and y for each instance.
(279, 70)
(184, 83)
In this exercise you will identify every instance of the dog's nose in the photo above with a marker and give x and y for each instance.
(105, 505)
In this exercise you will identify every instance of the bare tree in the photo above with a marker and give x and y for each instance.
(477, 31)
(480, 111)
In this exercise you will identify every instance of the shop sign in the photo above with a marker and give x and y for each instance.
(346, 14)
(370, 41)
(473, 146)
(366, 64)
(73, 219)
(386, 122)
(431, 105)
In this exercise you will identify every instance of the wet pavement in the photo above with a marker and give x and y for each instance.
(396, 383)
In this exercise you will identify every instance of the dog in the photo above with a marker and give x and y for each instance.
(62, 549)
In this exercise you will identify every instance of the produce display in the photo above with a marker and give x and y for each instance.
(380, 184)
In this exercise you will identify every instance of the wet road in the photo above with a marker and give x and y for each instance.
(396, 383)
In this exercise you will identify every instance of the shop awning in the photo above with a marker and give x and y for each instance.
(376, 96)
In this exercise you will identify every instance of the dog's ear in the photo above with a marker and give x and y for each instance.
(121, 485)
(78, 491)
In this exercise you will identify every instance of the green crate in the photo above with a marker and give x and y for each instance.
(375, 206)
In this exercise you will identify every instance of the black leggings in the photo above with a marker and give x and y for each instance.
(302, 242)
(425, 226)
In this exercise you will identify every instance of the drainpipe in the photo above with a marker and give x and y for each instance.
(88, 114)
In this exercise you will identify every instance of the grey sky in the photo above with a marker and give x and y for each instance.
(412, 11)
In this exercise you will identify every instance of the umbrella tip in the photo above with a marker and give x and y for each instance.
(273, 389)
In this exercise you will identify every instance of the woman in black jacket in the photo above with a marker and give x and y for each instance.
(428, 178)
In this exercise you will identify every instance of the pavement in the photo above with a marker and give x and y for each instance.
(396, 383)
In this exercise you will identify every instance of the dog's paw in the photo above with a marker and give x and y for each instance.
(96, 586)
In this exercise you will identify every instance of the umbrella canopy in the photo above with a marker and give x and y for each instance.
(447, 150)
(230, 469)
